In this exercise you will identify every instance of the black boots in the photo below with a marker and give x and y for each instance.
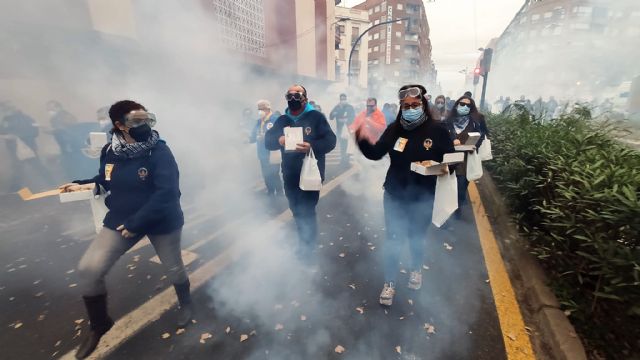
(185, 311)
(100, 323)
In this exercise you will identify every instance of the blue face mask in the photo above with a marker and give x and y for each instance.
(412, 115)
(463, 110)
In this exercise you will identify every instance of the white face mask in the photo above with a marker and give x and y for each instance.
(262, 113)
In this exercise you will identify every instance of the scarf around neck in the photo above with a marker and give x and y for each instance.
(412, 125)
(121, 148)
(460, 123)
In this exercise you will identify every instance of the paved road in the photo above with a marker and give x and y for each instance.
(249, 283)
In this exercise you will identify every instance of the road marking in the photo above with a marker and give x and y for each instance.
(136, 320)
(187, 258)
(514, 335)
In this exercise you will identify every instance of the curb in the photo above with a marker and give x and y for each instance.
(558, 335)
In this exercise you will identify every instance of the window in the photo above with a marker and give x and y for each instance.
(355, 31)
(582, 10)
(548, 15)
(370, 37)
(383, 34)
(396, 73)
(376, 9)
(376, 48)
(369, 50)
(370, 11)
(400, 7)
(376, 36)
(396, 60)
(376, 22)
(535, 18)
(398, 34)
(397, 47)
(376, 62)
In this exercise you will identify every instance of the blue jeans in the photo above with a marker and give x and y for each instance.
(303, 206)
(405, 221)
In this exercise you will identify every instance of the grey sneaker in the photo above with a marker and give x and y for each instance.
(415, 280)
(386, 296)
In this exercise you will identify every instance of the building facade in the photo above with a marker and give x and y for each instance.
(573, 49)
(350, 24)
(399, 53)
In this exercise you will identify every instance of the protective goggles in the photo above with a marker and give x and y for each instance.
(294, 96)
(138, 118)
(412, 92)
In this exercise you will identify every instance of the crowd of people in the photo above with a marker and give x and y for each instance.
(139, 176)
(28, 165)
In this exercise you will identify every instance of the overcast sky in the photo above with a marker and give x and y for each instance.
(456, 36)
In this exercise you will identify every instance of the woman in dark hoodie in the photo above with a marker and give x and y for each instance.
(408, 196)
(463, 119)
(140, 174)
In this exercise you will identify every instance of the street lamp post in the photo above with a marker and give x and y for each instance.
(355, 43)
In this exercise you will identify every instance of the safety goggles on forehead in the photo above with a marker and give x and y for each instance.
(138, 118)
(412, 92)
(294, 96)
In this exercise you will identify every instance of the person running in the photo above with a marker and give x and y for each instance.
(317, 136)
(141, 174)
(343, 114)
(463, 119)
(408, 196)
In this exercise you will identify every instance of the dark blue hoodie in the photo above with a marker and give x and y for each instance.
(316, 131)
(145, 192)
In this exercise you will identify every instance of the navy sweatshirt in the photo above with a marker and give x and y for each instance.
(145, 193)
(316, 131)
(429, 141)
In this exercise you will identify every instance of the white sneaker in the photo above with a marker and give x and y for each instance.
(415, 280)
(386, 296)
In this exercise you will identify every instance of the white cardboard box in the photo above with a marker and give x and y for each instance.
(97, 140)
(66, 197)
(471, 142)
(436, 168)
(292, 137)
(432, 168)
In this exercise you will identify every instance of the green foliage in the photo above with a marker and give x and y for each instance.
(575, 192)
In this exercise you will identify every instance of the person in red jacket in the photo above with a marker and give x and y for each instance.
(371, 122)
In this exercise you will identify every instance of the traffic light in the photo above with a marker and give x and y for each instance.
(476, 76)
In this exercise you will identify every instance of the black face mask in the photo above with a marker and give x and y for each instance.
(140, 133)
(295, 105)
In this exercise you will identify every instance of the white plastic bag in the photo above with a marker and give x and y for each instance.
(485, 150)
(23, 152)
(351, 144)
(474, 166)
(446, 199)
(310, 179)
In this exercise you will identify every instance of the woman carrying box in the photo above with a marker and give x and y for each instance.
(463, 119)
(141, 174)
(408, 196)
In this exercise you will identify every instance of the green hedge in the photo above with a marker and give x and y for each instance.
(575, 193)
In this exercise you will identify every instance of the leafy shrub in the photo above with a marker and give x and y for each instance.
(575, 192)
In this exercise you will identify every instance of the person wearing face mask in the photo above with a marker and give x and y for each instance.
(371, 121)
(140, 175)
(266, 119)
(408, 196)
(317, 135)
(463, 119)
(439, 111)
(343, 114)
